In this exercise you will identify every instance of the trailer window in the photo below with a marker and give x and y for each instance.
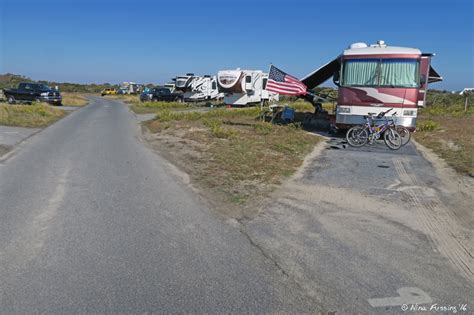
(248, 79)
(360, 72)
(264, 83)
(399, 73)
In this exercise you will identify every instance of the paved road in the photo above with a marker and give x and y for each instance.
(92, 221)
(368, 230)
(13, 135)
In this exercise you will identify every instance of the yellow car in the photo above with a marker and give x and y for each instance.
(108, 91)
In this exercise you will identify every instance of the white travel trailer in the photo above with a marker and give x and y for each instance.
(171, 86)
(244, 87)
(183, 82)
(203, 88)
(130, 88)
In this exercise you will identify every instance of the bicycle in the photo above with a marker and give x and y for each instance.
(404, 133)
(369, 132)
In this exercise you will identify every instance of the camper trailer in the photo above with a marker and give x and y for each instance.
(203, 88)
(130, 88)
(170, 86)
(183, 82)
(244, 87)
(372, 79)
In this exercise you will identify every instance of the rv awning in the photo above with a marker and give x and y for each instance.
(433, 76)
(322, 74)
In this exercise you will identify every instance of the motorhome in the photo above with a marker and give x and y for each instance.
(372, 79)
(203, 88)
(244, 87)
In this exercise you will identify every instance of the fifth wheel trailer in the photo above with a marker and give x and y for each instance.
(203, 88)
(377, 77)
(244, 87)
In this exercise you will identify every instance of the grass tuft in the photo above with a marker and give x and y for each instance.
(36, 115)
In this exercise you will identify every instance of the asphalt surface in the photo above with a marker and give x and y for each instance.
(14, 135)
(91, 220)
(370, 231)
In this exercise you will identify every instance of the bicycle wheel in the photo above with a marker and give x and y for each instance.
(392, 139)
(404, 134)
(357, 136)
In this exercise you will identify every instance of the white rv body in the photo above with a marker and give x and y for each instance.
(130, 88)
(183, 82)
(244, 87)
(170, 86)
(203, 88)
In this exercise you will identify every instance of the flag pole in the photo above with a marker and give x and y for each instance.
(261, 103)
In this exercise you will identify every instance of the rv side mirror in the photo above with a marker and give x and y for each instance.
(422, 79)
(335, 78)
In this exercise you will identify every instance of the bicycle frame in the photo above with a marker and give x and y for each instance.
(375, 130)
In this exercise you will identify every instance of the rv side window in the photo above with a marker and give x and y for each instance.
(248, 79)
(214, 85)
(264, 83)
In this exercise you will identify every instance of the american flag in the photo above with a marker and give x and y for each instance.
(285, 84)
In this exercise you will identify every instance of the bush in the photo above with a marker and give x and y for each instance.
(216, 129)
(263, 127)
(427, 126)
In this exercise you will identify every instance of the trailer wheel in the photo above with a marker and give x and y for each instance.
(11, 100)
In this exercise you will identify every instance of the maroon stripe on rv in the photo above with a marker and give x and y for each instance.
(379, 56)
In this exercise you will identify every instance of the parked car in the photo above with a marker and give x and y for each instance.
(33, 92)
(161, 94)
(108, 91)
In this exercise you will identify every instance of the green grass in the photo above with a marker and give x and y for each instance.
(36, 115)
(74, 99)
(241, 157)
(155, 107)
(446, 128)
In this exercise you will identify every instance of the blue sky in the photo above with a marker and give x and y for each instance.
(152, 41)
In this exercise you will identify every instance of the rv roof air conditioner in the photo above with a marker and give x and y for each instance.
(358, 45)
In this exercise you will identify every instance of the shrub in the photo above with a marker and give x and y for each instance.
(427, 126)
(263, 127)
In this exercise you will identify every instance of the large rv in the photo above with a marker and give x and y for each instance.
(170, 86)
(183, 82)
(203, 88)
(244, 87)
(130, 88)
(374, 78)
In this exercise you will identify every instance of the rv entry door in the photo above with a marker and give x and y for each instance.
(248, 82)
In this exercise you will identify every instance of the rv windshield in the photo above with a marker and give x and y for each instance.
(381, 72)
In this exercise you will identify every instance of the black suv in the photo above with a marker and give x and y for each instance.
(161, 94)
(33, 92)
